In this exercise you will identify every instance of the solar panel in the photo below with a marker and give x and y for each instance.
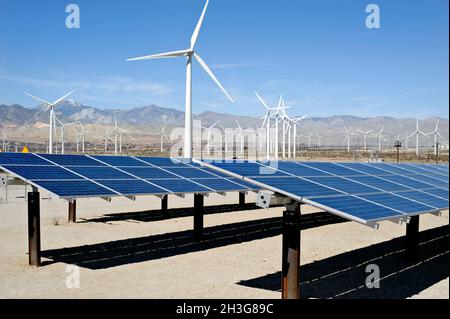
(367, 193)
(76, 176)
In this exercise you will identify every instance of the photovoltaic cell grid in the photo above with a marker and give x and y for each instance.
(363, 192)
(78, 176)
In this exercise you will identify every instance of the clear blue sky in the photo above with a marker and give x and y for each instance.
(319, 54)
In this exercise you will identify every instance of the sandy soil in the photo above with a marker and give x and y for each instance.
(126, 249)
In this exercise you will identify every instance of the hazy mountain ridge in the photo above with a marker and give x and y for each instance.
(149, 119)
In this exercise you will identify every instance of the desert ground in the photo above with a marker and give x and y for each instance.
(127, 249)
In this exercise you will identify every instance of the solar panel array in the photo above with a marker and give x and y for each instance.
(81, 176)
(363, 192)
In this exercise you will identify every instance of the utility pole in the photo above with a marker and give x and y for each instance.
(398, 145)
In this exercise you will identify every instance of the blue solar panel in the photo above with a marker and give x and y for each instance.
(42, 172)
(297, 186)
(333, 169)
(120, 161)
(408, 182)
(132, 187)
(21, 159)
(189, 172)
(344, 185)
(393, 169)
(426, 198)
(162, 162)
(220, 185)
(399, 203)
(180, 186)
(300, 170)
(380, 183)
(366, 194)
(72, 160)
(359, 208)
(443, 193)
(148, 172)
(76, 189)
(250, 169)
(364, 168)
(430, 180)
(104, 172)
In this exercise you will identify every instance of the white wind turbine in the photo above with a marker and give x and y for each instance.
(208, 138)
(348, 137)
(51, 107)
(241, 135)
(437, 135)
(189, 54)
(417, 132)
(365, 135)
(4, 137)
(266, 123)
(63, 127)
(381, 138)
(82, 134)
(162, 134)
(295, 123)
(106, 137)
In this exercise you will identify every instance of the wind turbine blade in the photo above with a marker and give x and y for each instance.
(165, 55)
(239, 125)
(262, 101)
(39, 99)
(199, 26)
(64, 97)
(214, 124)
(208, 70)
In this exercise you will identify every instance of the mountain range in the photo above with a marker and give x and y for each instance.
(149, 119)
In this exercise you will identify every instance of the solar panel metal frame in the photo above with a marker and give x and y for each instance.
(371, 223)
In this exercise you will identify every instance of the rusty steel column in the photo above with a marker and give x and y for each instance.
(199, 210)
(73, 211)
(412, 238)
(165, 204)
(242, 199)
(290, 284)
(34, 229)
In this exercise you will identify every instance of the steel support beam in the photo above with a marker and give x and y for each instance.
(242, 199)
(290, 284)
(412, 238)
(73, 211)
(199, 211)
(34, 229)
(164, 204)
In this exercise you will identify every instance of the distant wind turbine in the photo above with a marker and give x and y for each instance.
(189, 54)
(51, 107)
(365, 135)
(417, 132)
(436, 134)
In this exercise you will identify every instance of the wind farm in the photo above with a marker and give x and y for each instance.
(300, 174)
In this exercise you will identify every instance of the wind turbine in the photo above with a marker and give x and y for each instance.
(189, 54)
(436, 134)
(241, 134)
(63, 126)
(82, 134)
(106, 137)
(348, 136)
(417, 132)
(208, 139)
(162, 135)
(266, 123)
(365, 135)
(51, 107)
(380, 138)
(296, 122)
(4, 137)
